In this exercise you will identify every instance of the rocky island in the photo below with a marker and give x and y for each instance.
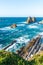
(13, 26)
(30, 20)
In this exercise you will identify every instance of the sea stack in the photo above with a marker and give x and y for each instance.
(28, 20)
(33, 19)
(13, 26)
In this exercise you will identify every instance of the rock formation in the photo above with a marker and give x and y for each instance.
(13, 26)
(30, 19)
(33, 19)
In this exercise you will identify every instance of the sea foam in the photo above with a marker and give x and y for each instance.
(32, 26)
(41, 33)
(5, 28)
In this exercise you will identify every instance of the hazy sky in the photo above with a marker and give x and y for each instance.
(21, 8)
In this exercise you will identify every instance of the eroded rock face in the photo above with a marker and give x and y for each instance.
(28, 20)
(33, 19)
(13, 26)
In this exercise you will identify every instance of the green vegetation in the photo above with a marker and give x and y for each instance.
(10, 58)
(37, 59)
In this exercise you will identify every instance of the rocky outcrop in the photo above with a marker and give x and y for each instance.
(31, 48)
(13, 26)
(33, 19)
(30, 20)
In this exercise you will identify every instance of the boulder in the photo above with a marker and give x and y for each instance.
(13, 26)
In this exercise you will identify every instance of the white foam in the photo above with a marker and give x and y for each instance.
(21, 24)
(11, 47)
(27, 40)
(5, 28)
(41, 33)
(32, 26)
(24, 22)
(22, 40)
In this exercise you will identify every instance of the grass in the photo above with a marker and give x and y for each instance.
(10, 58)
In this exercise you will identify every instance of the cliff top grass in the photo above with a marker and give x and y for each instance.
(10, 58)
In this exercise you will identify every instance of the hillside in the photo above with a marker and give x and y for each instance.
(37, 59)
(10, 58)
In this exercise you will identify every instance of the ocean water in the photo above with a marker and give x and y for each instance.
(23, 33)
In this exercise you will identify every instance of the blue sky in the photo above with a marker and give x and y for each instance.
(21, 8)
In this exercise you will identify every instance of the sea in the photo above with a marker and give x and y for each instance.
(23, 33)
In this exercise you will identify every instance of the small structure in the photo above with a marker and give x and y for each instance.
(13, 26)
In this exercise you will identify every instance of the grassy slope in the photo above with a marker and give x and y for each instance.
(9, 58)
(37, 59)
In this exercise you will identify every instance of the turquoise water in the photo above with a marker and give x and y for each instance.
(23, 33)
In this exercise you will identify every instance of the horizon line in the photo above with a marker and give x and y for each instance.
(21, 16)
